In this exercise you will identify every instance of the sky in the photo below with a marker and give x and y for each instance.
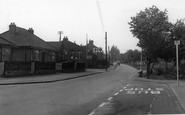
(78, 18)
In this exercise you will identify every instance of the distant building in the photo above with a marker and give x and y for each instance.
(95, 55)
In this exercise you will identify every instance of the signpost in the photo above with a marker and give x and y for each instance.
(177, 43)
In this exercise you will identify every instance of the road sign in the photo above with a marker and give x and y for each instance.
(177, 42)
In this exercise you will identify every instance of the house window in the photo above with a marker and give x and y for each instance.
(6, 54)
(53, 56)
(79, 55)
(72, 55)
(35, 55)
(63, 55)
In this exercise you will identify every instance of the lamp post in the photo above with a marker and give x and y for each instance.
(177, 43)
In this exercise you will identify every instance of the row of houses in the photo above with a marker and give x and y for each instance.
(24, 53)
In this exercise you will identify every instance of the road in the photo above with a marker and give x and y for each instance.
(72, 97)
(139, 97)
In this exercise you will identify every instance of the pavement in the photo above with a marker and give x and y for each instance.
(50, 77)
(179, 90)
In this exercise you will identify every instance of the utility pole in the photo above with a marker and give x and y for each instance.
(108, 53)
(60, 33)
(106, 50)
(86, 51)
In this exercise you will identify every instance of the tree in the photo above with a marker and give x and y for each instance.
(115, 53)
(179, 33)
(131, 56)
(148, 26)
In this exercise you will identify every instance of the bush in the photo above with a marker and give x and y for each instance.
(159, 71)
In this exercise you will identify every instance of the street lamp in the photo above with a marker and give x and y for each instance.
(177, 43)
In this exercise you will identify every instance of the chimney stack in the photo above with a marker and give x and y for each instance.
(30, 30)
(65, 38)
(91, 42)
(12, 28)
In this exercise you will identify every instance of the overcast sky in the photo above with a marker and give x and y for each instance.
(76, 18)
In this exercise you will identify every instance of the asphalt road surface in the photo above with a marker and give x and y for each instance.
(140, 98)
(72, 97)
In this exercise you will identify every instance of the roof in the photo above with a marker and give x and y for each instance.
(25, 38)
(5, 42)
(65, 44)
(57, 45)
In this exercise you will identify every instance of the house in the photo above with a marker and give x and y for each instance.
(29, 47)
(95, 56)
(72, 55)
(20, 47)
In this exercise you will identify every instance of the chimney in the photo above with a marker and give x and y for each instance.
(91, 42)
(12, 28)
(65, 38)
(30, 30)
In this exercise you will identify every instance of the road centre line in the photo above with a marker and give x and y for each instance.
(116, 94)
(110, 98)
(91, 113)
(101, 105)
(121, 90)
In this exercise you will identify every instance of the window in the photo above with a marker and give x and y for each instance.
(35, 55)
(79, 55)
(53, 56)
(72, 56)
(6, 54)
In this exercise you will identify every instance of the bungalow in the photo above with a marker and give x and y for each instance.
(20, 47)
(70, 54)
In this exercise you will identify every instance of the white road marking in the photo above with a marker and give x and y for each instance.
(102, 104)
(91, 113)
(130, 92)
(116, 94)
(161, 89)
(124, 87)
(155, 92)
(121, 90)
(110, 98)
(145, 92)
(127, 85)
(138, 88)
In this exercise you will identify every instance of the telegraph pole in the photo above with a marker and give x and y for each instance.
(60, 33)
(86, 51)
(106, 50)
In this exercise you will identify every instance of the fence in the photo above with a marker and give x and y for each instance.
(44, 67)
(73, 66)
(19, 68)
